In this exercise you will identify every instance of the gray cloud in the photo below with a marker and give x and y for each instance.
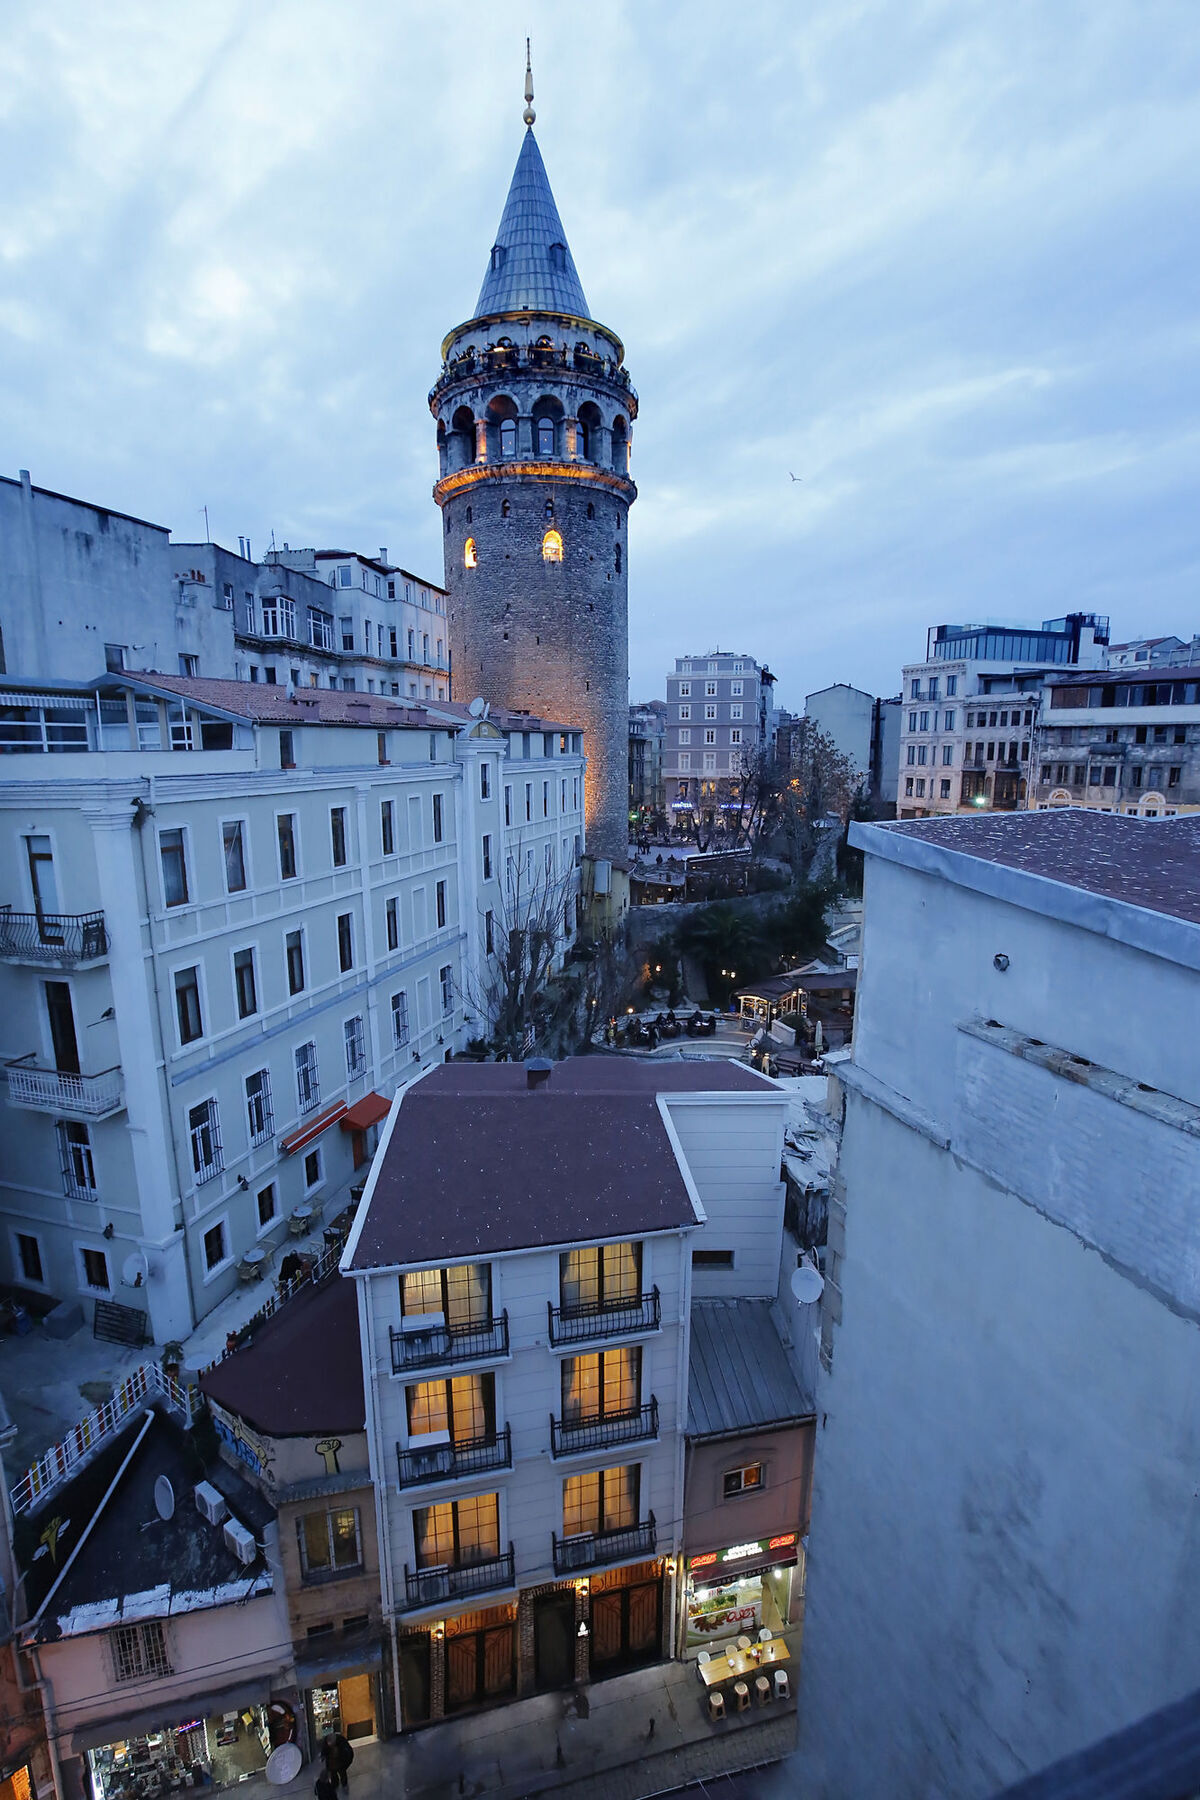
(938, 259)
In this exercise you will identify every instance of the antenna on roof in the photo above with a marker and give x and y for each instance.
(528, 115)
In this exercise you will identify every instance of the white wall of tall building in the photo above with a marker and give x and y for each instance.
(844, 713)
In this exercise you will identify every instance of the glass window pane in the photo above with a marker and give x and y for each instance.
(344, 1535)
(421, 1292)
(314, 1538)
(468, 1294)
(427, 1410)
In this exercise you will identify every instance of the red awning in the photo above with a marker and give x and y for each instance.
(367, 1111)
(304, 1134)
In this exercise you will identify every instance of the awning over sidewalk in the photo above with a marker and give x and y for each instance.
(304, 1134)
(367, 1111)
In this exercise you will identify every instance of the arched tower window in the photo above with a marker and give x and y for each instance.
(591, 512)
(545, 433)
(548, 510)
(508, 437)
(470, 560)
(470, 515)
(617, 558)
(498, 255)
(589, 429)
(620, 446)
(552, 546)
(504, 509)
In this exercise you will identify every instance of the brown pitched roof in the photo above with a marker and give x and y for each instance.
(1152, 863)
(301, 1372)
(478, 1162)
(268, 703)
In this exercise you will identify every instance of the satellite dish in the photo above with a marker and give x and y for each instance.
(477, 707)
(284, 1764)
(807, 1284)
(164, 1498)
(134, 1270)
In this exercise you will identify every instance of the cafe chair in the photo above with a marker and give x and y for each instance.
(762, 1690)
(702, 1661)
(716, 1705)
(764, 1636)
(741, 1694)
(782, 1685)
(743, 1644)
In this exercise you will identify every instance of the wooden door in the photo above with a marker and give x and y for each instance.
(608, 1628)
(642, 1635)
(554, 1640)
(356, 1703)
(414, 1678)
(462, 1674)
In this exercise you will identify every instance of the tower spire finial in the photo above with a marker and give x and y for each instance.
(528, 115)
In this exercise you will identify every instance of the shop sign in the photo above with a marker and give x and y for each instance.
(786, 1542)
(740, 1552)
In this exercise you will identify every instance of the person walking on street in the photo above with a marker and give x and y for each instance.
(339, 1754)
(325, 1787)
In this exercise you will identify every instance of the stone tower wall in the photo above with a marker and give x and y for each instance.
(549, 637)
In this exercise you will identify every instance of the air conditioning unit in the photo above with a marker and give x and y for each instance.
(209, 1503)
(427, 1464)
(239, 1541)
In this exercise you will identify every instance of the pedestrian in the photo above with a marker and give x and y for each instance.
(339, 1754)
(325, 1787)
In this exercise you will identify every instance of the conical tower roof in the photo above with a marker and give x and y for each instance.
(531, 263)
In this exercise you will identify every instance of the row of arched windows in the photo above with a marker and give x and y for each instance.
(552, 435)
(552, 550)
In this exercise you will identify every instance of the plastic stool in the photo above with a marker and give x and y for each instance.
(762, 1690)
(716, 1705)
(782, 1685)
(741, 1694)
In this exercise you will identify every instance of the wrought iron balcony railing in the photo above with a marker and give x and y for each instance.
(61, 939)
(452, 1462)
(432, 1587)
(578, 1437)
(612, 1318)
(66, 1096)
(428, 1347)
(590, 1549)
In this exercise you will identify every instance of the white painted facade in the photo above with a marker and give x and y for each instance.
(1002, 1546)
(146, 1124)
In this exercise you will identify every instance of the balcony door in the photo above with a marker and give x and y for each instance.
(61, 1017)
(45, 889)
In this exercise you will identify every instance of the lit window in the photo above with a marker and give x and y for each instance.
(552, 546)
(469, 557)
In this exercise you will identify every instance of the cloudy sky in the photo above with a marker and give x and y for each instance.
(937, 258)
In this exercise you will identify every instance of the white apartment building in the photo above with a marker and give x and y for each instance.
(1004, 1502)
(84, 589)
(970, 708)
(235, 922)
(526, 1253)
(719, 715)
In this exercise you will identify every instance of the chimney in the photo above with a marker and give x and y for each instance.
(538, 1070)
(383, 553)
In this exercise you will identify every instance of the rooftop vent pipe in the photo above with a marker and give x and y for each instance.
(538, 1070)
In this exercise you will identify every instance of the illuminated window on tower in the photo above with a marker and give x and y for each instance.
(469, 557)
(552, 546)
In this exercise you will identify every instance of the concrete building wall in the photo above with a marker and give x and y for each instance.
(845, 714)
(715, 1520)
(733, 1149)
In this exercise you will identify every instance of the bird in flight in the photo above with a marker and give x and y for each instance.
(796, 477)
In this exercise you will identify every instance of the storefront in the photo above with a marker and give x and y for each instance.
(742, 1589)
(206, 1749)
(348, 1706)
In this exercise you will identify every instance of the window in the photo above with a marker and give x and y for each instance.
(599, 1276)
(356, 1048)
(912, 721)
(949, 721)
(114, 658)
(457, 1533)
(920, 787)
(712, 1259)
(552, 546)
(233, 843)
(75, 1160)
(685, 690)
(244, 983)
(287, 750)
(392, 915)
(710, 688)
(924, 721)
(710, 712)
(337, 834)
(285, 826)
(915, 690)
(330, 1543)
(308, 1082)
(139, 1652)
(437, 819)
(945, 790)
(745, 1480)
(215, 1249)
(400, 1019)
(462, 1408)
(508, 806)
(294, 950)
(1173, 776)
(174, 867)
(951, 686)
(947, 755)
(266, 1204)
(446, 977)
(29, 1256)
(345, 939)
(387, 827)
(601, 1385)
(187, 1005)
(528, 802)
(470, 558)
(312, 1170)
(489, 932)
(204, 1129)
(911, 756)
(736, 687)
(602, 1500)
(923, 754)
(685, 712)
(260, 1117)
(735, 711)
(908, 785)
(440, 901)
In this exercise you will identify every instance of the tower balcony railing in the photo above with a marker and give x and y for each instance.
(429, 1347)
(591, 1549)
(580, 1437)
(63, 940)
(455, 1581)
(65, 1095)
(580, 1324)
(456, 1461)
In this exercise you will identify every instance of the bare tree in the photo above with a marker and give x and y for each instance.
(529, 929)
(819, 784)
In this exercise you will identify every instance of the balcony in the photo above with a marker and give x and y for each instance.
(453, 1462)
(580, 1437)
(591, 1549)
(433, 1587)
(609, 1319)
(59, 940)
(431, 1346)
(66, 1096)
